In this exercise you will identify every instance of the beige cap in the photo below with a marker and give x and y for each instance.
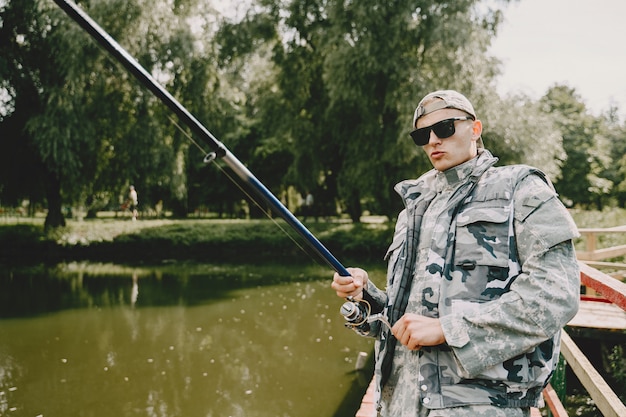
(445, 99)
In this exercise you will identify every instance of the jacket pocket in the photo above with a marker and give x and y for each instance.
(481, 254)
(482, 237)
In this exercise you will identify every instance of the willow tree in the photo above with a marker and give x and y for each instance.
(26, 68)
(349, 75)
(91, 128)
(384, 57)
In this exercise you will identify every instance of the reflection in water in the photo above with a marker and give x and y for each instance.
(134, 293)
(9, 372)
(205, 341)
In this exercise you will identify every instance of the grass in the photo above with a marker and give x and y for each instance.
(115, 239)
(609, 217)
(165, 238)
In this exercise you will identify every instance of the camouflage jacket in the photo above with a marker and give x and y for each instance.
(489, 252)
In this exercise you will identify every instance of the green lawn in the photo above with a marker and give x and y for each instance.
(365, 241)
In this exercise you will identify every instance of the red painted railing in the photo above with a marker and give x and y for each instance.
(600, 392)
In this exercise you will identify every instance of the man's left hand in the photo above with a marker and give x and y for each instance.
(415, 331)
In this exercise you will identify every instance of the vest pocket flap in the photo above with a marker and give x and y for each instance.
(482, 214)
(482, 238)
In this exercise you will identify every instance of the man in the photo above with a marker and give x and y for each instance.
(482, 275)
(308, 205)
(133, 202)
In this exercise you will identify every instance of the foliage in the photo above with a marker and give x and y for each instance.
(517, 130)
(92, 128)
(611, 364)
(609, 217)
(585, 157)
(364, 241)
(612, 141)
(208, 238)
(616, 360)
(310, 95)
(21, 233)
(21, 49)
(347, 92)
(582, 405)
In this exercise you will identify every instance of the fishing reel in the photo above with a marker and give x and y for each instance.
(355, 312)
(358, 314)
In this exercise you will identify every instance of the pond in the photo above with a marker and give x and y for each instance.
(180, 340)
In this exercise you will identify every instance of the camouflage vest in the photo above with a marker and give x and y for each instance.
(479, 248)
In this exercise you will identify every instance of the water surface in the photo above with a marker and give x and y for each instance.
(189, 340)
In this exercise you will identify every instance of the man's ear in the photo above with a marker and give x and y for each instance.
(477, 129)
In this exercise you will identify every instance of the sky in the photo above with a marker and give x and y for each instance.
(580, 43)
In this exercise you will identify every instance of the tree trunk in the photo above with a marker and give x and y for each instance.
(179, 209)
(354, 207)
(54, 218)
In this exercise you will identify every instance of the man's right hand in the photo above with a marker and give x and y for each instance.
(352, 285)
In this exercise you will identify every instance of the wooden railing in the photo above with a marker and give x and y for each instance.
(600, 392)
(592, 253)
(610, 289)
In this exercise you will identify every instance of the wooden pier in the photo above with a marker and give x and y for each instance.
(599, 314)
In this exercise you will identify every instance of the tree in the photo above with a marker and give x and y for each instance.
(384, 57)
(348, 77)
(586, 157)
(613, 139)
(518, 130)
(93, 130)
(23, 53)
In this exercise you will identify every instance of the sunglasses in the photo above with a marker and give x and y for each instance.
(443, 129)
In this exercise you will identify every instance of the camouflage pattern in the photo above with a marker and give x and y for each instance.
(495, 263)
(479, 411)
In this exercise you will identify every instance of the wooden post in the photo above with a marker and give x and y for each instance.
(558, 382)
(591, 242)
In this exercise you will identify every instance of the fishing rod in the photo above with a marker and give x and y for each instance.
(219, 149)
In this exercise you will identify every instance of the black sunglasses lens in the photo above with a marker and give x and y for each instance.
(443, 129)
(421, 136)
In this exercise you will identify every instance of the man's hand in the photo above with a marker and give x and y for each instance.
(352, 285)
(415, 331)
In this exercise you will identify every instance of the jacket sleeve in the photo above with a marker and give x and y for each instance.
(542, 298)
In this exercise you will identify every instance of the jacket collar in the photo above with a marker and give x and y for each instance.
(434, 181)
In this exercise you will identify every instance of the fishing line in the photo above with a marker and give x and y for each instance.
(219, 149)
(267, 213)
(187, 135)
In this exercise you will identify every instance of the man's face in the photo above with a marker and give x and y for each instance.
(458, 148)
